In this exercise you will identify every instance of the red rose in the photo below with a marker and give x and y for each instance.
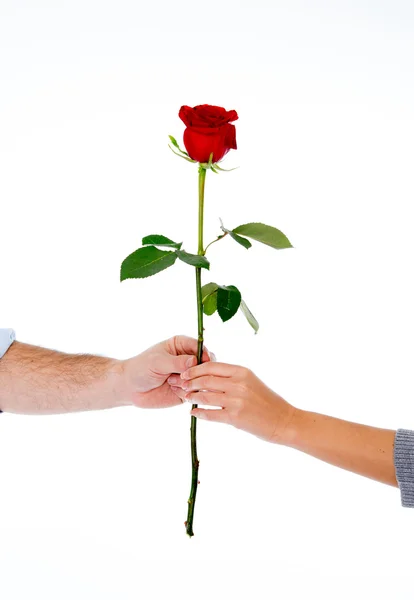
(208, 131)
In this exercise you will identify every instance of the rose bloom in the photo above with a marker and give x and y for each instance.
(208, 130)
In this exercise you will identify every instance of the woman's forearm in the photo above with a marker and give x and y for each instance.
(247, 403)
(362, 449)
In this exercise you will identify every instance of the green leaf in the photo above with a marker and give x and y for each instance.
(228, 301)
(160, 240)
(209, 298)
(249, 316)
(175, 143)
(237, 238)
(241, 240)
(210, 304)
(207, 289)
(145, 262)
(195, 260)
(265, 234)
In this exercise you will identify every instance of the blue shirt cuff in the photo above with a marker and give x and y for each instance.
(7, 337)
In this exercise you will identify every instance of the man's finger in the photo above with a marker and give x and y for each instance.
(179, 392)
(177, 364)
(182, 344)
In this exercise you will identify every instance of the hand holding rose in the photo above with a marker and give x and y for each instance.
(145, 376)
(245, 401)
(237, 397)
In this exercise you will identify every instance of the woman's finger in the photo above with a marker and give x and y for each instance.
(219, 416)
(208, 383)
(206, 398)
(210, 368)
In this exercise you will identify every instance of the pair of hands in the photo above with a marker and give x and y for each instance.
(167, 374)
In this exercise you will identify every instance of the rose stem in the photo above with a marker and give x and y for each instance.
(194, 459)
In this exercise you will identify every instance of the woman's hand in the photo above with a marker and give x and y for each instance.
(247, 403)
(243, 400)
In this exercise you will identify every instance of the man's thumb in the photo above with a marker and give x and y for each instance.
(183, 362)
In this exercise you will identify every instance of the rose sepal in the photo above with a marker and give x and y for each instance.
(227, 170)
(181, 156)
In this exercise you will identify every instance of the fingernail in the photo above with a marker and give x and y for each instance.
(172, 379)
(213, 357)
(190, 362)
(184, 375)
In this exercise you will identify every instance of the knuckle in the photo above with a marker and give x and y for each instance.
(238, 407)
(247, 373)
(200, 398)
(209, 381)
(201, 384)
(243, 390)
(243, 373)
(245, 381)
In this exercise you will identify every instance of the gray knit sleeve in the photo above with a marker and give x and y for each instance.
(404, 465)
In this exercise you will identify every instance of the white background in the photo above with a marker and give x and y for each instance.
(92, 505)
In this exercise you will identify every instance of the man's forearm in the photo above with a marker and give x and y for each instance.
(35, 380)
(365, 450)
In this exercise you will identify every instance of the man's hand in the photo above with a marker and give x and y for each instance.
(36, 380)
(145, 376)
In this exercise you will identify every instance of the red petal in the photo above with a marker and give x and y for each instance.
(230, 137)
(206, 115)
(185, 115)
(200, 145)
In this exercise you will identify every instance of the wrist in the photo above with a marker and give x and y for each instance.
(116, 384)
(294, 428)
(287, 426)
